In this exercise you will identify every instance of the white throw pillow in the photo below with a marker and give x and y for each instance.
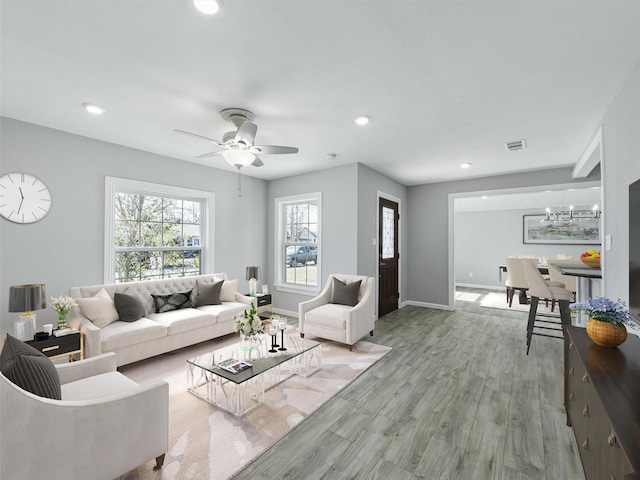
(100, 309)
(228, 291)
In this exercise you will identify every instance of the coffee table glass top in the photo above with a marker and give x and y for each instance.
(258, 366)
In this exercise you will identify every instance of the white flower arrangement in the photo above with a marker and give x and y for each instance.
(248, 323)
(63, 304)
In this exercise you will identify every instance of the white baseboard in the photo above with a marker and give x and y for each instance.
(499, 288)
(287, 313)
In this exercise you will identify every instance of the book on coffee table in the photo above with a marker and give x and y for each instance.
(232, 365)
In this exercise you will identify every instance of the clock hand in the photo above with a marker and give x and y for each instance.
(21, 194)
(20, 206)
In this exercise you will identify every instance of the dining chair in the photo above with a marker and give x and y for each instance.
(516, 279)
(538, 289)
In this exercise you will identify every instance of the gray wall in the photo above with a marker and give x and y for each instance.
(484, 239)
(370, 183)
(338, 242)
(428, 228)
(621, 167)
(66, 248)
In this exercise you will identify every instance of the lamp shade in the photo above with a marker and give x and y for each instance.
(253, 272)
(27, 298)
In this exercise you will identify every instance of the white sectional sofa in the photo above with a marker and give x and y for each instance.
(154, 333)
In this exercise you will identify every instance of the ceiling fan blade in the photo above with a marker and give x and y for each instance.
(257, 162)
(246, 133)
(210, 154)
(198, 136)
(272, 149)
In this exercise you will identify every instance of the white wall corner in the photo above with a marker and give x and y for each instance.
(591, 157)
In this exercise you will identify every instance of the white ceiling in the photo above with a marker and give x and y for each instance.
(444, 82)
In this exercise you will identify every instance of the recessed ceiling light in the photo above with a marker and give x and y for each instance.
(96, 110)
(484, 197)
(465, 165)
(362, 120)
(208, 7)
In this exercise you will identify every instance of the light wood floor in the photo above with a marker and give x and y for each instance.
(457, 398)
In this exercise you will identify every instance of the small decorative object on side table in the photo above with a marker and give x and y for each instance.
(62, 305)
(54, 346)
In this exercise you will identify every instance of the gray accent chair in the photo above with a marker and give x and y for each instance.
(104, 426)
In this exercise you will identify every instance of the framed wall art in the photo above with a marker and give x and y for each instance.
(537, 229)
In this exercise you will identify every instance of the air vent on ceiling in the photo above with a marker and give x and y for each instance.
(516, 145)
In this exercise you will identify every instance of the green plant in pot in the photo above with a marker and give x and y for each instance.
(608, 320)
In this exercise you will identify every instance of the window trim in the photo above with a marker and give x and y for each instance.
(115, 184)
(279, 283)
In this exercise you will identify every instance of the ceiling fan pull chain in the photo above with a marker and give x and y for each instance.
(239, 180)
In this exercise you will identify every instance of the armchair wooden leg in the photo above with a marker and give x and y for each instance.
(159, 462)
(302, 335)
(371, 333)
(350, 348)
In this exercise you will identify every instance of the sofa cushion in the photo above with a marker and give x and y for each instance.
(225, 311)
(129, 307)
(97, 386)
(183, 320)
(209, 293)
(29, 369)
(228, 291)
(172, 301)
(345, 294)
(329, 315)
(122, 334)
(99, 309)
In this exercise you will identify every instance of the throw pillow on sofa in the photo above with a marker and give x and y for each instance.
(172, 301)
(209, 293)
(99, 309)
(129, 307)
(29, 369)
(345, 294)
(228, 292)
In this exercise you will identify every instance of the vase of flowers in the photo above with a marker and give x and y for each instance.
(249, 324)
(62, 305)
(608, 320)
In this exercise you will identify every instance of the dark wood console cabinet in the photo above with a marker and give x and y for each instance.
(602, 401)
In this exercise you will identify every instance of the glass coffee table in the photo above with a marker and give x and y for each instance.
(238, 393)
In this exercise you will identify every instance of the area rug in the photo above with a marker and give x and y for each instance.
(208, 443)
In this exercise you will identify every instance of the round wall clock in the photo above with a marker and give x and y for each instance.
(23, 198)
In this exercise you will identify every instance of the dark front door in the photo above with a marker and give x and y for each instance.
(388, 256)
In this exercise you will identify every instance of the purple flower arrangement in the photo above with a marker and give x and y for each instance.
(605, 310)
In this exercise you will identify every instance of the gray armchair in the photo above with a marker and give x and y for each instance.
(104, 426)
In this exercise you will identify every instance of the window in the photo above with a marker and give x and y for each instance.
(298, 242)
(156, 231)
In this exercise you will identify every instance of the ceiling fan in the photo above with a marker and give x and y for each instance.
(237, 146)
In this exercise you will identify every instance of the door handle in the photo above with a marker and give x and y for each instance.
(382, 264)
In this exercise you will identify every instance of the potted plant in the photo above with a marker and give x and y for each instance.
(607, 320)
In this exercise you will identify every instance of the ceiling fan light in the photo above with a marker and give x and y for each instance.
(237, 158)
(208, 7)
(362, 120)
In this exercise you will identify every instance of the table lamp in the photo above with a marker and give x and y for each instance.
(26, 299)
(253, 273)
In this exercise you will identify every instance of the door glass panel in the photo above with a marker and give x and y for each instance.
(388, 233)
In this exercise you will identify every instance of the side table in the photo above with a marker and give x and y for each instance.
(264, 304)
(55, 347)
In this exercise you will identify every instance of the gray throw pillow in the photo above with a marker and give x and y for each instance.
(129, 307)
(172, 301)
(345, 294)
(29, 369)
(209, 293)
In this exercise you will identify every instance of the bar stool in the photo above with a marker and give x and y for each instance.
(538, 289)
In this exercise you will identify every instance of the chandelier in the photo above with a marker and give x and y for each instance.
(572, 214)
